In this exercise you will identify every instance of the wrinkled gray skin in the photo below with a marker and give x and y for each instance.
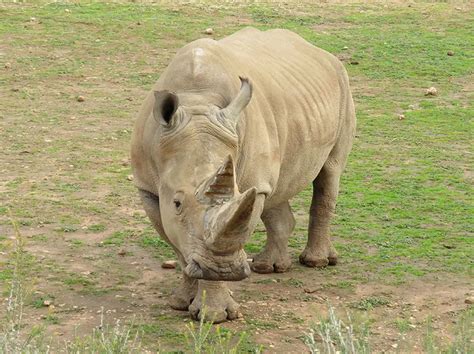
(211, 154)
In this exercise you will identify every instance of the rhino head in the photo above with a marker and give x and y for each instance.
(203, 214)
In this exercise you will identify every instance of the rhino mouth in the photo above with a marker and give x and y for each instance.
(229, 268)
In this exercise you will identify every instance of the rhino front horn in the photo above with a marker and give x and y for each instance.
(232, 223)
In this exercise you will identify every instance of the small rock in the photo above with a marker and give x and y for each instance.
(449, 247)
(345, 48)
(8, 65)
(249, 260)
(169, 264)
(130, 177)
(209, 31)
(15, 89)
(432, 91)
(32, 19)
(469, 300)
(122, 253)
(67, 10)
(401, 116)
(47, 303)
(354, 62)
(450, 53)
(310, 290)
(80, 98)
(395, 345)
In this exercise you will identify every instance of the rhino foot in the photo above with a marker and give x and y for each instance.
(214, 302)
(266, 262)
(184, 294)
(318, 259)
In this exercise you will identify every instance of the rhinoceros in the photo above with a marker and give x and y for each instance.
(229, 133)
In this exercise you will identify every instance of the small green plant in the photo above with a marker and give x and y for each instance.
(108, 339)
(463, 339)
(369, 303)
(11, 338)
(205, 338)
(337, 337)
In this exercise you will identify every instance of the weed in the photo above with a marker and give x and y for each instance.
(337, 336)
(11, 339)
(463, 341)
(108, 339)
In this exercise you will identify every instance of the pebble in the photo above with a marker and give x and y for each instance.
(169, 264)
(432, 91)
(130, 177)
(209, 31)
(469, 300)
(47, 303)
(8, 65)
(401, 116)
(80, 99)
(450, 53)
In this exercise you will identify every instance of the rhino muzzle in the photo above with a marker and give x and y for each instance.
(233, 268)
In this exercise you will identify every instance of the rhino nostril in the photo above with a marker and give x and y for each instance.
(194, 270)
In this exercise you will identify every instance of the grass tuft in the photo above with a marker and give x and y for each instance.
(333, 336)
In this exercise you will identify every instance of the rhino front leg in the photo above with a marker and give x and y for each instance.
(319, 251)
(183, 296)
(279, 223)
(214, 300)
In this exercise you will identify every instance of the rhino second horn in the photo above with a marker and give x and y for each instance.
(233, 110)
(220, 187)
(231, 226)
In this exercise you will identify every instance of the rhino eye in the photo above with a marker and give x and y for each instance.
(178, 206)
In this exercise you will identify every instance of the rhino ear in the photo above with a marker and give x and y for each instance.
(166, 104)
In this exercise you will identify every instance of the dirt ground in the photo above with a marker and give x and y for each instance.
(278, 309)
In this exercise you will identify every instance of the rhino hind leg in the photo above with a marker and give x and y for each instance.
(319, 251)
(279, 223)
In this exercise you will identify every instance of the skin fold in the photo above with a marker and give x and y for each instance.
(230, 132)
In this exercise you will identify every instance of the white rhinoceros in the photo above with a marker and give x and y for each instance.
(212, 153)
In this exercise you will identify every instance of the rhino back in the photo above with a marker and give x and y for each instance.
(292, 122)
